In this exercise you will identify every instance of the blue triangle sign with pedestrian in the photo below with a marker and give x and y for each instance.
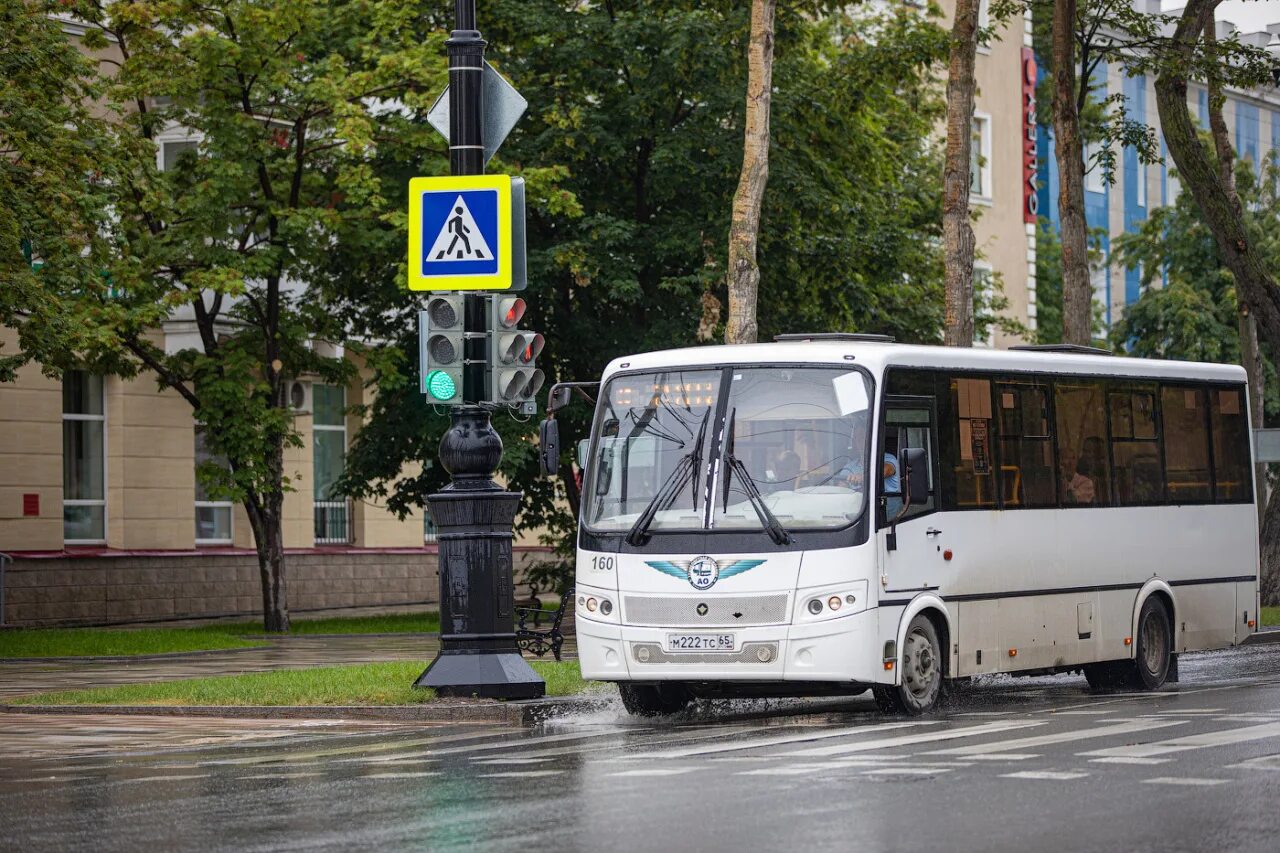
(460, 238)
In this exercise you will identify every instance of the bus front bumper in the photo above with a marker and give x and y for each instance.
(846, 649)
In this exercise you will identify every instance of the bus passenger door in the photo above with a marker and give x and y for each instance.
(909, 540)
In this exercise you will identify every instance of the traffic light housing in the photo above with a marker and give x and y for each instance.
(441, 336)
(514, 378)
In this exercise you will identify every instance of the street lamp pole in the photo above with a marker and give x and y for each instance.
(474, 516)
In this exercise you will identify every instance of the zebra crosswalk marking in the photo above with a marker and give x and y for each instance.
(687, 735)
(1184, 780)
(909, 740)
(778, 740)
(509, 743)
(1198, 741)
(1060, 737)
(655, 771)
(1047, 775)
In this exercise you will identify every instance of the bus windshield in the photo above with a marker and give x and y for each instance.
(740, 448)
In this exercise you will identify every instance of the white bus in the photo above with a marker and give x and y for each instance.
(831, 513)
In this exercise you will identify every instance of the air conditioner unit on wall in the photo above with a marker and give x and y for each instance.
(300, 397)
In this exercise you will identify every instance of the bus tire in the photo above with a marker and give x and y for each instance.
(1151, 662)
(653, 700)
(920, 666)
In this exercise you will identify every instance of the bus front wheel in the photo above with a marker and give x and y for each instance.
(921, 672)
(652, 700)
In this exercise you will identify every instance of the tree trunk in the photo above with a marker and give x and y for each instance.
(1250, 355)
(1213, 188)
(266, 514)
(1269, 583)
(744, 228)
(1077, 289)
(1255, 286)
(957, 233)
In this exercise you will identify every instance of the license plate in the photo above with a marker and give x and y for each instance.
(700, 642)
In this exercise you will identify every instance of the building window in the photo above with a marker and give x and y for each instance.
(980, 158)
(1093, 181)
(213, 517)
(84, 458)
(171, 152)
(983, 298)
(329, 437)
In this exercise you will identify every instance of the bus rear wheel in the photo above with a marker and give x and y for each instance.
(653, 700)
(920, 673)
(1150, 667)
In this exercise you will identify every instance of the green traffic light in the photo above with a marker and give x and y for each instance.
(441, 386)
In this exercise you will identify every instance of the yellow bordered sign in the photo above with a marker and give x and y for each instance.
(460, 233)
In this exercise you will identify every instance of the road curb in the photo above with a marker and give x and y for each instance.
(1262, 637)
(517, 713)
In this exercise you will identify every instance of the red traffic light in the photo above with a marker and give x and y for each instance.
(511, 311)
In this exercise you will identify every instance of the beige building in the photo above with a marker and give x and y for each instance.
(102, 519)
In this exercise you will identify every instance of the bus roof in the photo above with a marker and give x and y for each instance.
(878, 356)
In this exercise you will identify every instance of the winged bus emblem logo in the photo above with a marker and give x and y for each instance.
(702, 572)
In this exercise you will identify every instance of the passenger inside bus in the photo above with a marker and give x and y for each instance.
(1090, 469)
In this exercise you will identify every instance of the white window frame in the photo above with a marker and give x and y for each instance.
(106, 454)
(985, 194)
(174, 133)
(982, 269)
(316, 427)
(227, 505)
(984, 21)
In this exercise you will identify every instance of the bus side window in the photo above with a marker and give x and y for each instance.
(1083, 469)
(964, 439)
(1233, 479)
(1026, 444)
(1135, 445)
(1184, 413)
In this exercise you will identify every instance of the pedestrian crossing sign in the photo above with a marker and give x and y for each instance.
(460, 233)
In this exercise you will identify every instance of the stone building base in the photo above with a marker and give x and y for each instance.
(103, 587)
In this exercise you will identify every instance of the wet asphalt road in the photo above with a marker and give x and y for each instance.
(1012, 764)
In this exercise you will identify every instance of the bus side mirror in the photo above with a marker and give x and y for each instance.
(549, 447)
(915, 476)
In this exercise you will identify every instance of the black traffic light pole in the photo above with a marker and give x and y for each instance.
(474, 515)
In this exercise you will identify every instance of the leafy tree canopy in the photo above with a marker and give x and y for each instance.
(636, 113)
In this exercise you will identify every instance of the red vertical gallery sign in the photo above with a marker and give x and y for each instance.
(1030, 198)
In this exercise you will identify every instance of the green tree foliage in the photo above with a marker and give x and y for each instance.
(1188, 305)
(50, 182)
(635, 119)
(287, 104)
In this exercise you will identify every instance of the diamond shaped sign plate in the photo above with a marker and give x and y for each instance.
(503, 106)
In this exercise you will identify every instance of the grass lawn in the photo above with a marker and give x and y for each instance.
(78, 642)
(366, 684)
(1270, 616)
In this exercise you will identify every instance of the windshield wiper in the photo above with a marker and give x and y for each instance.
(686, 469)
(772, 525)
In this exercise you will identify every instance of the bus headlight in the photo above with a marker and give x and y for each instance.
(606, 606)
(834, 602)
(815, 606)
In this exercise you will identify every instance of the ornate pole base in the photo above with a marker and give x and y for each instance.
(478, 654)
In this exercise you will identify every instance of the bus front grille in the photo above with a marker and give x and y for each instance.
(711, 610)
